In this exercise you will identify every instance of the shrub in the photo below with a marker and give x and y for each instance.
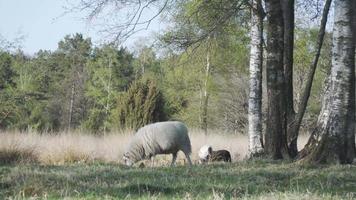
(14, 154)
(142, 104)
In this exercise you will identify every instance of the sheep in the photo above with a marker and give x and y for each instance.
(206, 154)
(159, 138)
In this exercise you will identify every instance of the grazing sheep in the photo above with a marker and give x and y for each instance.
(159, 138)
(206, 154)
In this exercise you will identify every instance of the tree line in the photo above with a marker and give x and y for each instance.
(198, 23)
(233, 65)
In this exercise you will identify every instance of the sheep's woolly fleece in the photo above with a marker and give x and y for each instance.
(159, 138)
(204, 152)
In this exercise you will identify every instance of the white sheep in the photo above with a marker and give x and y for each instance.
(159, 138)
(204, 153)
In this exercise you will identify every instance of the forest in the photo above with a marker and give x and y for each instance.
(88, 87)
(272, 81)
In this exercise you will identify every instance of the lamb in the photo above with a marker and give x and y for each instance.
(159, 138)
(206, 154)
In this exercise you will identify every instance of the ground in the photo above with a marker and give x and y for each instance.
(246, 180)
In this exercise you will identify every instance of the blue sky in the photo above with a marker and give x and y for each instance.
(41, 23)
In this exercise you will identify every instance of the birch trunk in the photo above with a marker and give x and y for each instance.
(333, 140)
(303, 100)
(255, 95)
(109, 91)
(275, 137)
(71, 103)
(206, 95)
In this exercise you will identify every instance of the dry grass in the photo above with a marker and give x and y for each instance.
(75, 147)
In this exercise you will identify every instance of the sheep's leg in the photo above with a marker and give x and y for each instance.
(152, 161)
(174, 158)
(188, 158)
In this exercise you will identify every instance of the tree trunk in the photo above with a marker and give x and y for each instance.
(206, 95)
(109, 91)
(288, 19)
(71, 103)
(303, 100)
(255, 96)
(333, 140)
(275, 137)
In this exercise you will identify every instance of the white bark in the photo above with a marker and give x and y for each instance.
(330, 142)
(341, 71)
(255, 96)
(109, 91)
(70, 117)
(206, 95)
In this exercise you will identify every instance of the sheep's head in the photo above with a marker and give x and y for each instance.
(127, 160)
(204, 153)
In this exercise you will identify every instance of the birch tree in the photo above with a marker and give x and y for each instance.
(333, 139)
(294, 126)
(206, 93)
(76, 50)
(255, 95)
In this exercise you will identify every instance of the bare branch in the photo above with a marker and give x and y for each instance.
(115, 26)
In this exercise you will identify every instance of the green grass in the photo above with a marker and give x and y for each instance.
(246, 180)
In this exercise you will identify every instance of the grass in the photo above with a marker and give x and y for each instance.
(77, 166)
(64, 148)
(246, 180)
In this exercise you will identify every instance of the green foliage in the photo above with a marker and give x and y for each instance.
(6, 72)
(110, 71)
(96, 121)
(75, 51)
(105, 87)
(142, 104)
(304, 51)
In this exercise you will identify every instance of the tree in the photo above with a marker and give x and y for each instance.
(76, 50)
(134, 16)
(333, 139)
(146, 61)
(255, 96)
(204, 26)
(7, 82)
(294, 125)
(288, 20)
(142, 104)
(275, 137)
(6, 71)
(110, 71)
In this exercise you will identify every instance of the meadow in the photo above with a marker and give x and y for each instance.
(79, 166)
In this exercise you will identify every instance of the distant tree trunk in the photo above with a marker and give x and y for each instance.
(143, 64)
(109, 91)
(303, 100)
(206, 95)
(275, 137)
(255, 95)
(333, 139)
(71, 103)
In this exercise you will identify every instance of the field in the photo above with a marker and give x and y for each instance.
(77, 166)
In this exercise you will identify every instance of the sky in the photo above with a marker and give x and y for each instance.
(43, 25)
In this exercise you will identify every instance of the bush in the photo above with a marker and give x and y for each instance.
(142, 104)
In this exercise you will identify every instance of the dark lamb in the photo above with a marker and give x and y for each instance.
(220, 155)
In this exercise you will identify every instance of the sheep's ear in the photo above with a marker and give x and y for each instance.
(210, 150)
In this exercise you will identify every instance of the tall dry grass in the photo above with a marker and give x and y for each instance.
(76, 147)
